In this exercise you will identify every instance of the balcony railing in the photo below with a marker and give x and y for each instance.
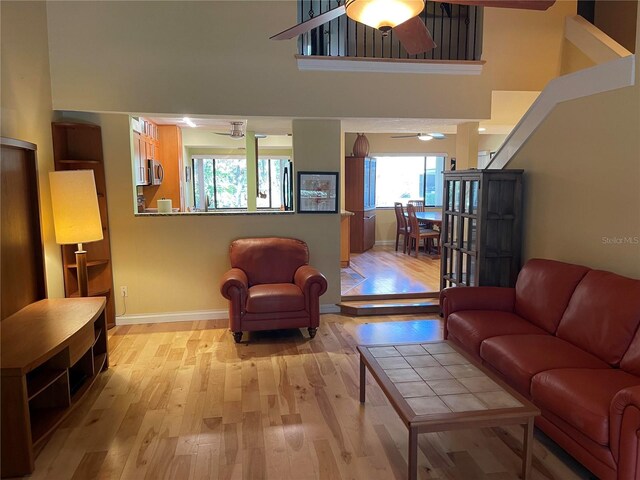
(456, 29)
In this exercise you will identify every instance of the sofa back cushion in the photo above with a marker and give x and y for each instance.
(603, 315)
(268, 260)
(543, 291)
(631, 360)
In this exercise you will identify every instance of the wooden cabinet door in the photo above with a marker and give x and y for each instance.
(140, 162)
(369, 227)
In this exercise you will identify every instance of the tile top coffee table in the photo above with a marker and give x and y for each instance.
(436, 387)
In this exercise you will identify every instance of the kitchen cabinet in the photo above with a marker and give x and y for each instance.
(78, 146)
(481, 228)
(360, 198)
(168, 152)
(140, 163)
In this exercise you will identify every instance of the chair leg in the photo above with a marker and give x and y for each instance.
(237, 336)
(312, 331)
(397, 239)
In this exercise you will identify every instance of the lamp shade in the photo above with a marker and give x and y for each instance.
(76, 215)
(383, 14)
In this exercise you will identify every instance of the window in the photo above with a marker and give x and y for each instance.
(219, 183)
(402, 178)
(271, 172)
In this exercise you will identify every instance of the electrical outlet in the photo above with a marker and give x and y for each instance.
(124, 291)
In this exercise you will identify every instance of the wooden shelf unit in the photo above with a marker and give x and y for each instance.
(78, 146)
(51, 354)
(481, 228)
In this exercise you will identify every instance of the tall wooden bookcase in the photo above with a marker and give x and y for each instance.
(78, 146)
(481, 228)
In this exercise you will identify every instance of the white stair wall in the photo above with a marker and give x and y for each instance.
(617, 70)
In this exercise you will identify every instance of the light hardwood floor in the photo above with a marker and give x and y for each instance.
(382, 271)
(183, 401)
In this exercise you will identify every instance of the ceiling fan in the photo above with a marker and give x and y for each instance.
(401, 16)
(425, 137)
(237, 131)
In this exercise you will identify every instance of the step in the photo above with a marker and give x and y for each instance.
(390, 296)
(390, 307)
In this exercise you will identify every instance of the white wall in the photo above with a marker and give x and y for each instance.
(215, 57)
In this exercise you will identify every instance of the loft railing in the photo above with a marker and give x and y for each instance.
(456, 29)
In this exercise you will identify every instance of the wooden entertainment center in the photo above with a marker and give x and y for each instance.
(51, 350)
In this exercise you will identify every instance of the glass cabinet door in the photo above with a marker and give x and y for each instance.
(471, 196)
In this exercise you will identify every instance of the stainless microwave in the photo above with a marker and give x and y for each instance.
(156, 172)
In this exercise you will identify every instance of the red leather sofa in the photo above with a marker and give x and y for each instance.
(568, 338)
(272, 286)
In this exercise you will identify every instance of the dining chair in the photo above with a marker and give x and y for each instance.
(401, 226)
(417, 204)
(419, 207)
(417, 234)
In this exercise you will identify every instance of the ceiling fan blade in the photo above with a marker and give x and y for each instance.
(310, 24)
(414, 36)
(405, 136)
(522, 4)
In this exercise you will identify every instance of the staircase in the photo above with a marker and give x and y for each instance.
(407, 304)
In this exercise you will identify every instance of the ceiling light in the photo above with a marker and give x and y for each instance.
(383, 14)
(189, 122)
(425, 137)
(482, 129)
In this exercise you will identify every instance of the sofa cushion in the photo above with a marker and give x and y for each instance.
(520, 357)
(581, 397)
(631, 360)
(275, 297)
(471, 327)
(543, 291)
(603, 315)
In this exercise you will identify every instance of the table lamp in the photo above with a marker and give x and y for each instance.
(76, 215)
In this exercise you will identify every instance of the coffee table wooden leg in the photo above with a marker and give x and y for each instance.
(363, 379)
(413, 454)
(527, 449)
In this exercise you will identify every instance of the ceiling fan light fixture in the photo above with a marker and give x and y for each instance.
(237, 129)
(425, 137)
(383, 14)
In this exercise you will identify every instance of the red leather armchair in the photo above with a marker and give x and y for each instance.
(271, 286)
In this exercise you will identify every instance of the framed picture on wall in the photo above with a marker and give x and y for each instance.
(318, 192)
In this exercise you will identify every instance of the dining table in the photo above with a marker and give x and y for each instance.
(430, 217)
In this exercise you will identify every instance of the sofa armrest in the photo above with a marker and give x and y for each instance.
(624, 419)
(234, 278)
(454, 299)
(234, 286)
(308, 278)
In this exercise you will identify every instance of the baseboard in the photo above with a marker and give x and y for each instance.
(385, 242)
(193, 316)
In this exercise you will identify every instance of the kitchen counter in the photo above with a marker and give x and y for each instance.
(214, 213)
